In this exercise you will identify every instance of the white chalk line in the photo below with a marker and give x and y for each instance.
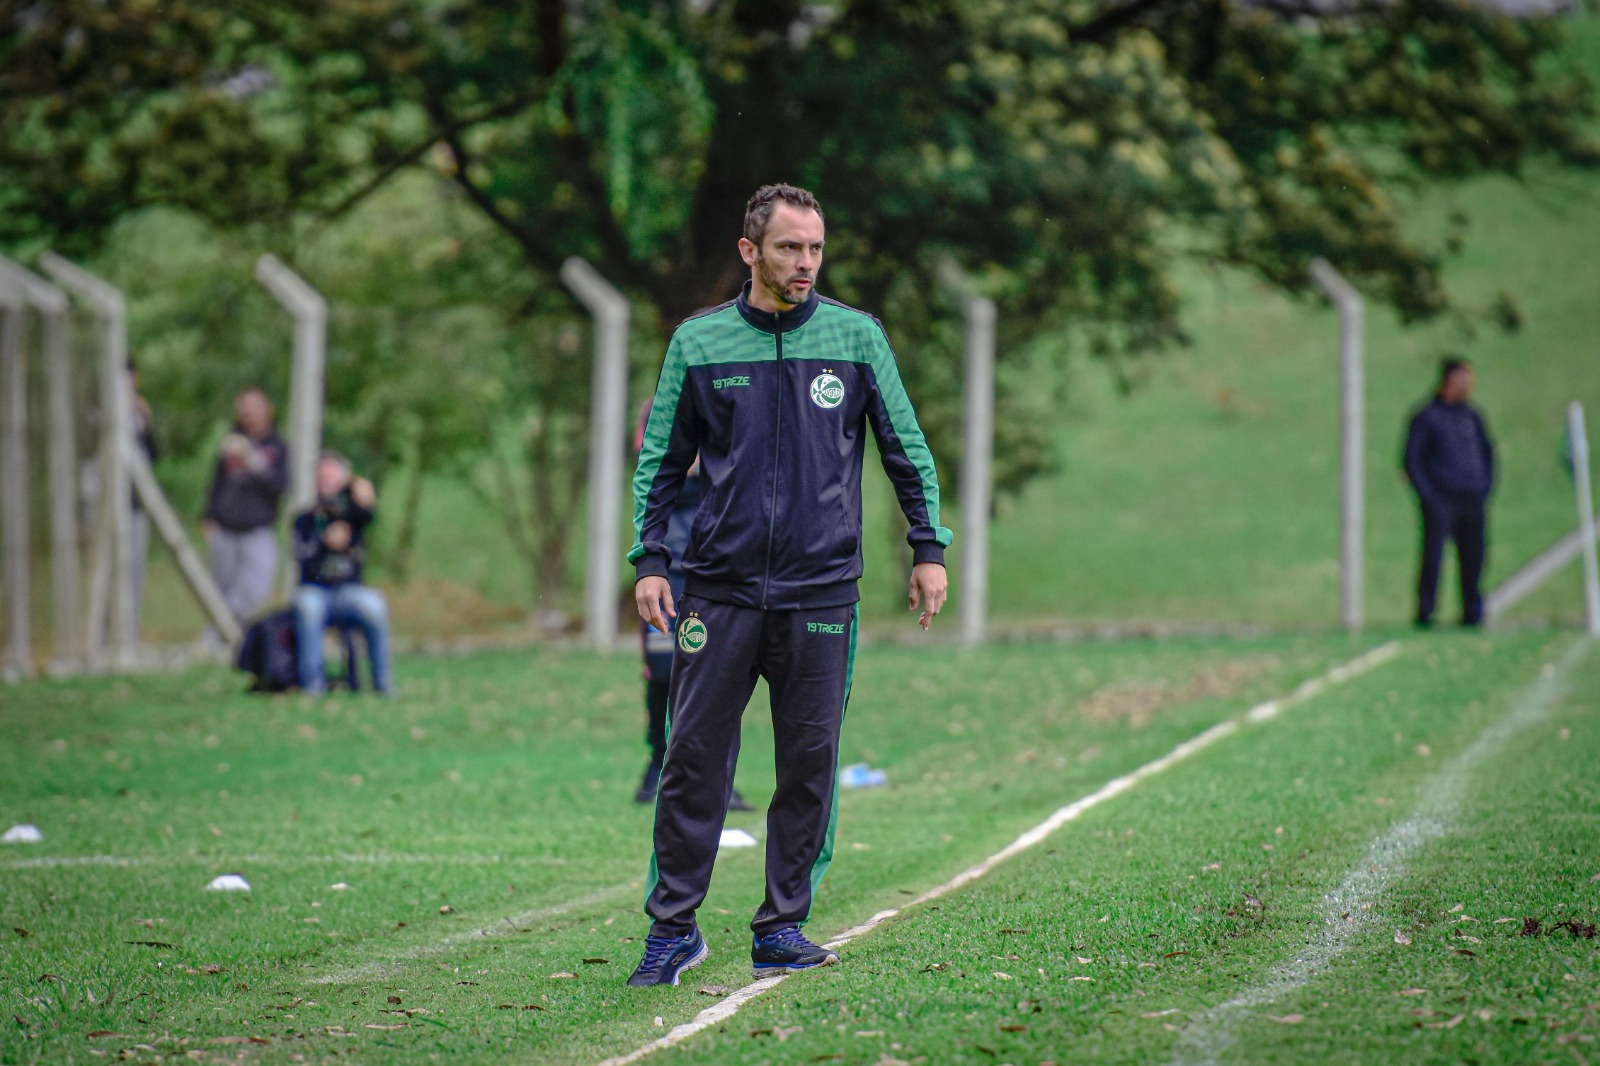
(378, 858)
(730, 1004)
(1346, 911)
(507, 926)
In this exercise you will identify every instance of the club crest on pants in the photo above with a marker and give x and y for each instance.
(692, 635)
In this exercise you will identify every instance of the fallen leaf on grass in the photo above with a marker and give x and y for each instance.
(447, 909)
(932, 967)
(1451, 1024)
(1082, 978)
(209, 969)
(98, 1033)
(235, 1040)
(1210, 867)
(869, 1032)
(1401, 938)
(149, 944)
(1468, 939)
(1575, 1038)
(17, 929)
(1081, 958)
(1002, 976)
(713, 990)
(1015, 931)
(563, 973)
(375, 1025)
(1160, 1013)
(1595, 878)
(394, 999)
(1174, 954)
(1013, 1028)
(597, 962)
(1531, 927)
(1576, 928)
(835, 1057)
(1484, 1015)
(1412, 992)
(1287, 1019)
(1457, 909)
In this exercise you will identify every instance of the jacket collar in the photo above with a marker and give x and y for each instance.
(775, 321)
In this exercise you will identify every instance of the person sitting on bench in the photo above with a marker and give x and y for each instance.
(329, 545)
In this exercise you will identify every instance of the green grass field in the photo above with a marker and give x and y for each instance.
(483, 823)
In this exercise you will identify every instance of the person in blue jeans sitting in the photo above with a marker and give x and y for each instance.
(329, 544)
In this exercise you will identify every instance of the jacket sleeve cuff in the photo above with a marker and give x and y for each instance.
(650, 564)
(927, 551)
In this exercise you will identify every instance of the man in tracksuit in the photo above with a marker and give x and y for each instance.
(1450, 462)
(774, 391)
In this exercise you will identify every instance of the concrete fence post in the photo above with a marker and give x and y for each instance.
(607, 432)
(18, 660)
(1352, 420)
(53, 310)
(114, 560)
(977, 453)
(1580, 476)
(310, 312)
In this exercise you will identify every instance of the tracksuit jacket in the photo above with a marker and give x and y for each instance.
(777, 406)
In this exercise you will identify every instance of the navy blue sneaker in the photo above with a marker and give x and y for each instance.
(787, 951)
(666, 957)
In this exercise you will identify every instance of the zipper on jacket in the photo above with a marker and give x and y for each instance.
(777, 441)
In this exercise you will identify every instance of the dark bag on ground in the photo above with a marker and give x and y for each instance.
(268, 652)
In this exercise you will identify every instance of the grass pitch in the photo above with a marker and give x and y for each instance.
(483, 824)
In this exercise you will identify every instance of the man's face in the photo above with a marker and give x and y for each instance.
(331, 478)
(784, 268)
(253, 413)
(1458, 386)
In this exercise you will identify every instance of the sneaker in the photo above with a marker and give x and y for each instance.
(787, 951)
(650, 784)
(737, 802)
(666, 957)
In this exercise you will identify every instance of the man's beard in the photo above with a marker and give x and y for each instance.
(780, 290)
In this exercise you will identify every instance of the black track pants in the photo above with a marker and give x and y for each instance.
(806, 658)
(1464, 523)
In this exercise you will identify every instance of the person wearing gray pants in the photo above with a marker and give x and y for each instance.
(242, 503)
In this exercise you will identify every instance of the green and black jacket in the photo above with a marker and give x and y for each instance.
(777, 405)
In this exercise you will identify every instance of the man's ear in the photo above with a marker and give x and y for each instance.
(748, 251)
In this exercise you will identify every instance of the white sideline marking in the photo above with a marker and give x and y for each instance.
(502, 927)
(376, 858)
(1115, 787)
(1346, 911)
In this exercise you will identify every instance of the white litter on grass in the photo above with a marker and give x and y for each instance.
(228, 883)
(338, 886)
(736, 838)
(722, 1011)
(22, 834)
(1346, 911)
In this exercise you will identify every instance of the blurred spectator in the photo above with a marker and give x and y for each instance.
(657, 645)
(1450, 462)
(144, 436)
(242, 505)
(329, 544)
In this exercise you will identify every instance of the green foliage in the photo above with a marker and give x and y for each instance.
(1067, 155)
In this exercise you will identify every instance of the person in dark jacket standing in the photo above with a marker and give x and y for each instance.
(1449, 460)
(657, 646)
(242, 505)
(774, 391)
(330, 546)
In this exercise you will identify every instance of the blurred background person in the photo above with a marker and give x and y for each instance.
(1449, 460)
(657, 645)
(242, 506)
(330, 546)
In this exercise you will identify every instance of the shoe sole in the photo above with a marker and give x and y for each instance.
(761, 970)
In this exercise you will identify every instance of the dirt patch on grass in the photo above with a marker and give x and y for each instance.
(1137, 701)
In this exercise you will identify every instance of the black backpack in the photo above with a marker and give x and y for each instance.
(268, 652)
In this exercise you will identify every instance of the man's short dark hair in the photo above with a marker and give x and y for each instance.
(1450, 364)
(758, 212)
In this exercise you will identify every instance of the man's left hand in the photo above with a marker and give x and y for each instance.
(362, 492)
(929, 586)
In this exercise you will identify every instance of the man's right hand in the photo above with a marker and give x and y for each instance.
(654, 597)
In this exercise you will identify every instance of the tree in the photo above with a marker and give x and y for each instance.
(1067, 154)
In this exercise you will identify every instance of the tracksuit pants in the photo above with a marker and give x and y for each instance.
(1464, 522)
(806, 658)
